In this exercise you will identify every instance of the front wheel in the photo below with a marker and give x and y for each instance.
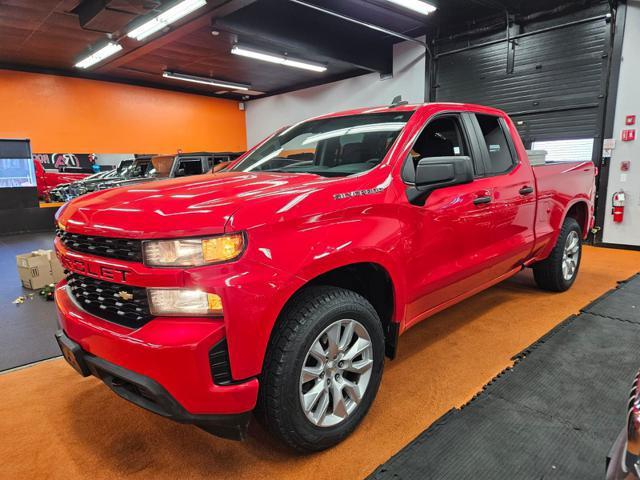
(558, 272)
(322, 369)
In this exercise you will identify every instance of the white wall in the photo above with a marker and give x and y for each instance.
(265, 115)
(628, 103)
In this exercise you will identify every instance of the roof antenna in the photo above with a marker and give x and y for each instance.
(397, 101)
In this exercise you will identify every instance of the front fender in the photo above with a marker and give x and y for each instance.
(291, 254)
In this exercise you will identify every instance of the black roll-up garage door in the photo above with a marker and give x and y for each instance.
(551, 77)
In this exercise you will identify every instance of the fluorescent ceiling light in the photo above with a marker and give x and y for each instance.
(109, 49)
(205, 81)
(415, 5)
(279, 59)
(164, 19)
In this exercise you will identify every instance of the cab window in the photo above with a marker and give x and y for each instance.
(499, 154)
(442, 137)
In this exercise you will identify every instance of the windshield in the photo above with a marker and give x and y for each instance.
(331, 147)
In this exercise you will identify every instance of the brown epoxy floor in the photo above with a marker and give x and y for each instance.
(57, 425)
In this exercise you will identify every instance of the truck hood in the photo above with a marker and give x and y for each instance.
(187, 206)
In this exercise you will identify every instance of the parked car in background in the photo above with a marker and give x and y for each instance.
(67, 191)
(161, 167)
(284, 280)
(88, 186)
(47, 180)
(623, 461)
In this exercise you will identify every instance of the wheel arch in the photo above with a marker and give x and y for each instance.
(579, 210)
(374, 283)
(371, 280)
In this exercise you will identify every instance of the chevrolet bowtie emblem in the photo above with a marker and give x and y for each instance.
(125, 295)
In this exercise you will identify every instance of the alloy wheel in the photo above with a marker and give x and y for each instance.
(571, 255)
(336, 373)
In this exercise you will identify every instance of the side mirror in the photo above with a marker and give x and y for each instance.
(439, 172)
(180, 172)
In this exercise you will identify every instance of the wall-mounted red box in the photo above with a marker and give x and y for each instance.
(628, 135)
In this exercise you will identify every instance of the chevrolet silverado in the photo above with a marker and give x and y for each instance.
(280, 284)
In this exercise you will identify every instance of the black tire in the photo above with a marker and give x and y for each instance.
(305, 317)
(548, 273)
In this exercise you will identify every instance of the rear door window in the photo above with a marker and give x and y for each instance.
(495, 138)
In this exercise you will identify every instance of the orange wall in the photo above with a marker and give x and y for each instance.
(87, 116)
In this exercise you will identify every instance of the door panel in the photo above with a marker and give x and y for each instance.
(470, 235)
(514, 201)
(453, 246)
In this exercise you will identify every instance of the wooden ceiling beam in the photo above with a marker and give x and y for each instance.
(221, 9)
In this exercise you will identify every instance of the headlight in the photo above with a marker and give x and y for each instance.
(180, 302)
(193, 252)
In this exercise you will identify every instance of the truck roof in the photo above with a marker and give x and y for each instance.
(407, 108)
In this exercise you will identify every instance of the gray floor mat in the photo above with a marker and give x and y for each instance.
(624, 304)
(26, 330)
(555, 414)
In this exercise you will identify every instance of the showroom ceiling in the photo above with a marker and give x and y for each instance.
(52, 35)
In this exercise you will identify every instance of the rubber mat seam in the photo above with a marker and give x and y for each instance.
(559, 419)
(522, 354)
(614, 318)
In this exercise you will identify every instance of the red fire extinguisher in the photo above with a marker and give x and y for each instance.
(618, 207)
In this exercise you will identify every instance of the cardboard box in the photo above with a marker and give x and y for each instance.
(57, 270)
(34, 270)
(44, 253)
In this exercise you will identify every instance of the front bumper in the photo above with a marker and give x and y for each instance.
(167, 359)
(149, 394)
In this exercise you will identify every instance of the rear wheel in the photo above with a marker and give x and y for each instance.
(323, 368)
(558, 272)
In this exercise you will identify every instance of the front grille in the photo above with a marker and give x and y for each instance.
(219, 363)
(120, 248)
(111, 301)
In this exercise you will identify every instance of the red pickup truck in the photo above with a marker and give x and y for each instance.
(280, 283)
(47, 180)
